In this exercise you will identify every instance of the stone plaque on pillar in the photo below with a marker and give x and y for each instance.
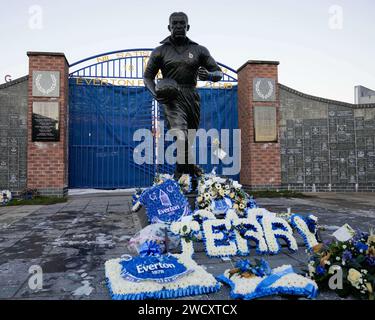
(265, 124)
(264, 89)
(45, 122)
(46, 84)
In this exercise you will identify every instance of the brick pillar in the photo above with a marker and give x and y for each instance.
(47, 159)
(261, 161)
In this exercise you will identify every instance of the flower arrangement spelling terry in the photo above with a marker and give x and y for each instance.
(232, 236)
(155, 276)
(218, 194)
(250, 281)
(352, 262)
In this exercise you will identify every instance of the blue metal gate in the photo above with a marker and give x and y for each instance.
(108, 103)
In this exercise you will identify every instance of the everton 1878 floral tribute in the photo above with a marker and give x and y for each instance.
(156, 276)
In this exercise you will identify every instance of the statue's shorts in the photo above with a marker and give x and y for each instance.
(184, 114)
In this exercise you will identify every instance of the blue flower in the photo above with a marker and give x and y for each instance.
(360, 235)
(252, 203)
(243, 265)
(150, 248)
(347, 255)
(263, 268)
(360, 246)
(370, 260)
(320, 270)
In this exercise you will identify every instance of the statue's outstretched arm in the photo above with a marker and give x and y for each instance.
(152, 69)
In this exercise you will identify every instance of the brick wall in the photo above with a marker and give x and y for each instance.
(48, 161)
(260, 163)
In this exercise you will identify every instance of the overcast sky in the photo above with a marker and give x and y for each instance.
(325, 48)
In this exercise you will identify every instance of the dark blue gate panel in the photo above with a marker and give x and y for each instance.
(218, 111)
(102, 121)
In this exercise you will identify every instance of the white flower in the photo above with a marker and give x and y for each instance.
(236, 185)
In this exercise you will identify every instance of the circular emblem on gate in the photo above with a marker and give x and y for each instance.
(46, 91)
(264, 95)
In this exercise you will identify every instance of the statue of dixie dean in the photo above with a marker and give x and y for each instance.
(181, 62)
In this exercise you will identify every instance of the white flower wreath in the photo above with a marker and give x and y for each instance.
(198, 281)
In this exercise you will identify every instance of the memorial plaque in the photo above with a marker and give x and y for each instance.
(46, 84)
(45, 121)
(264, 89)
(265, 124)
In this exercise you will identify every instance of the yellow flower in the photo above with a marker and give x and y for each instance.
(222, 193)
(354, 276)
(199, 199)
(232, 195)
(371, 239)
(369, 287)
(235, 206)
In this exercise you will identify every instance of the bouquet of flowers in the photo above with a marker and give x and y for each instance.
(212, 188)
(245, 269)
(5, 197)
(355, 259)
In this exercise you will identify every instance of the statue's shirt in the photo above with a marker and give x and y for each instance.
(180, 63)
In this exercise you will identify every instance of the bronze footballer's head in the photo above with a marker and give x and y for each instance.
(178, 25)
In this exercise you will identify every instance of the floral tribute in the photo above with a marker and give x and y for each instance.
(165, 202)
(250, 281)
(218, 194)
(352, 261)
(184, 184)
(152, 275)
(5, 197)
(232, 236)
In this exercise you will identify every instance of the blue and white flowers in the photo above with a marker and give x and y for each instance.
(231, 236)
(250, 281)
(195, 282)
(5, 197)
(217, 195)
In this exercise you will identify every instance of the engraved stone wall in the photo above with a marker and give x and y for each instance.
(13, 135)
(326, 145)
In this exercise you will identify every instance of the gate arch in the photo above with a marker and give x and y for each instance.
(108, 103)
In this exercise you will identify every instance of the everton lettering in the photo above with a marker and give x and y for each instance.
(168, 210)
(154, 267)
